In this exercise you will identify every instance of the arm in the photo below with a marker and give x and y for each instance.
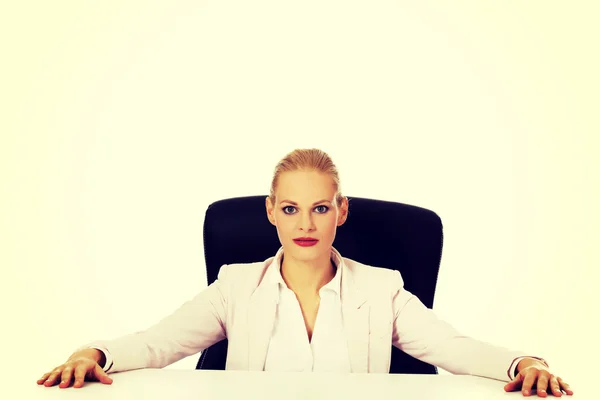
(418, 332)
(193, 327)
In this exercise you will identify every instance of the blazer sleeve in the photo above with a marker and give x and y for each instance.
(193, 327)
(420, 333)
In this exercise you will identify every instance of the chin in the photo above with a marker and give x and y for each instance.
(307, 253)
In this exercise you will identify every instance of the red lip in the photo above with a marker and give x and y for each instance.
(306, 241)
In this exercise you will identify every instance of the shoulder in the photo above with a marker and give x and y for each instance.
(243, 274)
(372, 278)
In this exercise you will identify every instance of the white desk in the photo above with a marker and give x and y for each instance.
(165, 384)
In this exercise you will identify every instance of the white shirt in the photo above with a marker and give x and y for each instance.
(289, 348)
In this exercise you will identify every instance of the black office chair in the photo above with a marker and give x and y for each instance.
(377, 233)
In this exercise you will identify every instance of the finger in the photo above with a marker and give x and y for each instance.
(565, 386)
(66, 377)
(542, 383)
(79, 376)
(52, 378)
(528, 381)
(555, 387)
(102, 376)
(515, 384)
(43, 378)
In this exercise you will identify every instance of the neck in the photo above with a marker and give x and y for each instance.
(307, 277)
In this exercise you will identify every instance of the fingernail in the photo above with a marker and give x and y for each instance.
(526, 392)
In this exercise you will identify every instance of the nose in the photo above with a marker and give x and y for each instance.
(306, 222)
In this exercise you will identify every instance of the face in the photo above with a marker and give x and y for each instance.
(305, 207)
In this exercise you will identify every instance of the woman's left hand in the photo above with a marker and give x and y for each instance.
(533, 372)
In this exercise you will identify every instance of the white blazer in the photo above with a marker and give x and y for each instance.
(377, 311)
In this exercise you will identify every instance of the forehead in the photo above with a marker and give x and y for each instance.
(305, 187)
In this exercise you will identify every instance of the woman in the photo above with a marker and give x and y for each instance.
(307, 308)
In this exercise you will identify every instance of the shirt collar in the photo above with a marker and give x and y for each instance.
(274, 273)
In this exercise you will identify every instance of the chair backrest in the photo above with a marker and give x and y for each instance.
(377, 233)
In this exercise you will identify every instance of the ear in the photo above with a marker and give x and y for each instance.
(343, 213)
(270, 210)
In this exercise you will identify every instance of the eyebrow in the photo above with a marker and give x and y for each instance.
(315, 203)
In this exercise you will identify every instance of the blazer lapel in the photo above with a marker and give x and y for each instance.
(356, 326)
(356, 317)
(261, 318)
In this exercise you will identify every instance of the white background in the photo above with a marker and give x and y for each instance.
(124, 120)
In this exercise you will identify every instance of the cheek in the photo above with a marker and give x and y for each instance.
(329, 224)
(284, 225)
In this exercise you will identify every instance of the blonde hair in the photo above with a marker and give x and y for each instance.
(307, 159)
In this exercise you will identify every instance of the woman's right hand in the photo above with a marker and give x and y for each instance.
(82, 365)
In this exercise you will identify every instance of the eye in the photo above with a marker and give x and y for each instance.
(323, 209)
(286, 209)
